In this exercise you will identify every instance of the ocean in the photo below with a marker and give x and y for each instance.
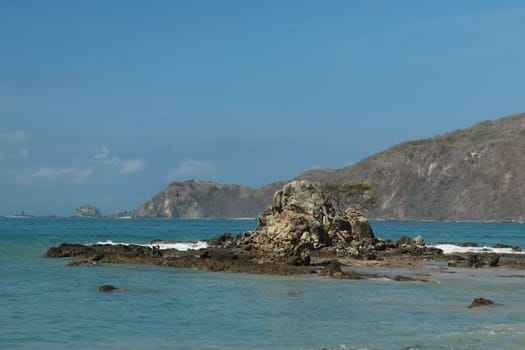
(46, 305)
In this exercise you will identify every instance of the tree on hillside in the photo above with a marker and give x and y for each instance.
(345, 195)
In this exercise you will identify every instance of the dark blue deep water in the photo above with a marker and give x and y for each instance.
(46, 305)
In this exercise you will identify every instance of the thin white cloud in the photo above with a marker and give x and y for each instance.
(77, 175)
(192, 168)
(126, 166)
(130, 166)
(15, 136)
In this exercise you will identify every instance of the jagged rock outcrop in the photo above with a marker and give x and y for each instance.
(301, 219)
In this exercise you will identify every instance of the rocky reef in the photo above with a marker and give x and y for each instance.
(302, 220)
(301, 232)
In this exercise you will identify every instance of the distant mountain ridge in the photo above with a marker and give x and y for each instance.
(473, 174)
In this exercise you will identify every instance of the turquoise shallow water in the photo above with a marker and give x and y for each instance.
(45, 305)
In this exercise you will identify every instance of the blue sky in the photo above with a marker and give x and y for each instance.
(107, 102)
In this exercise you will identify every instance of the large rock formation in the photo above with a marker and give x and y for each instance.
(302, 222)
(302, 219)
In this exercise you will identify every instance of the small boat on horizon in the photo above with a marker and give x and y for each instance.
(22, 215)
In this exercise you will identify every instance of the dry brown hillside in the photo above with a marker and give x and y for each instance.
(474, 174)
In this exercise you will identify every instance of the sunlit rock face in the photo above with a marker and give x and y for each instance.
(302, 219)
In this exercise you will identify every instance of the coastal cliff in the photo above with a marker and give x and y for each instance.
(199, 200)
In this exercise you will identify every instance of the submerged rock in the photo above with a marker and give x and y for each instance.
(333, 268)
(480, 302)
(107, 288)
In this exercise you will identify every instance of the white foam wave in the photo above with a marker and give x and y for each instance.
(181, 246)
(456, 249)
(113, 243)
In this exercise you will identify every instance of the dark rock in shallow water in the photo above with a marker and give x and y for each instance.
(221, 241)
(513, 247)
(493, 260)
(480, 302)
(474, 260)
(105, 253)
(401, 278)
(302, 260)
(467, 244)
(66, 250)
(333, 269)
(107, 288)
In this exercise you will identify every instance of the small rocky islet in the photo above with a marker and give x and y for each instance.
(301, 232)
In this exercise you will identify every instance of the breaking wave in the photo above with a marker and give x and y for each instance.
(455, 249)
(181, 246)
